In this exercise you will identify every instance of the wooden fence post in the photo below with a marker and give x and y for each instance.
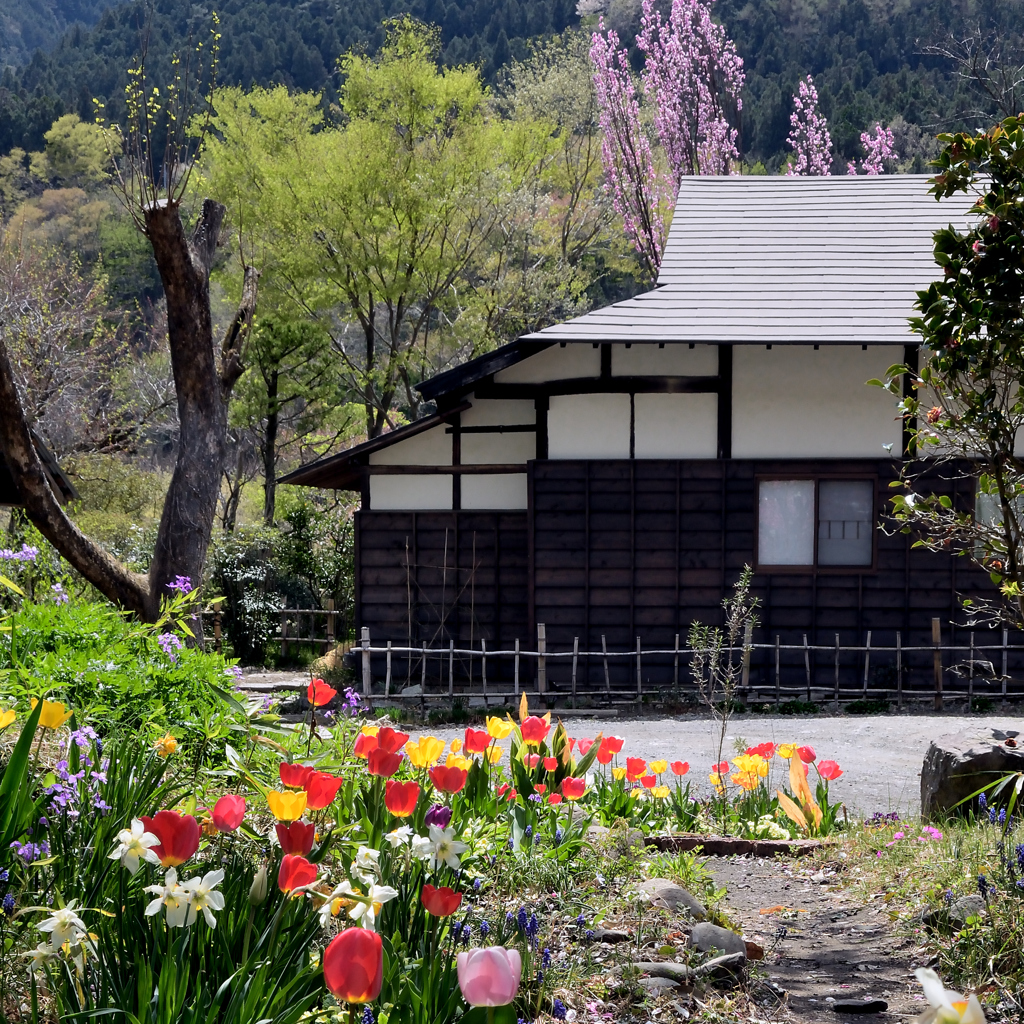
(451, 667)
(217, 644)
(970, 677)
(607, 677)
(675, 670)
(807, 667)
(899, 670)
(517, 670)
(575, 658)
(639, 684)
(387, 678)
(867, 663)
(483, 667)
(835, 695)
(778, 671)
(748, 636)
(937, 661)
(330, 622)
(365, 644)
(423, 678)
(284, 635)
(1005, 632)
(542, 662)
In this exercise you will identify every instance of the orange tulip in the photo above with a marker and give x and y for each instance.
(680, 767)
(635, 767)
(554, 798)
(648, 781)
(448, 780)
(294, 872)
(477, 741)
(400, 798)
(391, 740)
(321, 789)
(354, 965)
(318, 693)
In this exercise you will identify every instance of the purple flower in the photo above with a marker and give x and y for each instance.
(810, 139)
(8, 904)
(182, 584)
(439, 815)
(169, 643)
(59, 594)
(26, 554)
(558, 1009)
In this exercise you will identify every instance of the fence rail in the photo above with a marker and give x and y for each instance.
(771, 672)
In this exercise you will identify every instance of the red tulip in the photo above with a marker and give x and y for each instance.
(554, 798)
(448, 780)
(765, 750)
(532, 760)
(294, 775)
(354, 965)
(604, 756)
(178, 834)
(441, 902)
(380, 762)
(400, 797)
(585, 745)
(550, 763)
(534, 730)
(648, 781)
(365, 745)
(635, 767)
(296, 837)
(613, 743)
(829, 770)
(512, 794)
(294, 872)
(573, 789)
(539, 787)
(680, 767)
(477, 741)
(571, 743)
(807, 754)
(228, 812)
(319, 693)
(321, 789)
(721, 769)
(502, 789)
(390, 740)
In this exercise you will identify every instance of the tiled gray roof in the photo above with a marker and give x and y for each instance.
(796, 260)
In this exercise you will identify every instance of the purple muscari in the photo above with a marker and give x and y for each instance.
(476, 884)
(982, 802)
(1020, 858)
(983, 886)
(26, 554)
(528, 833)
(545, 960)
(558, 1009)
(485, 929)
(182, 584)
(522, 919)
(509, 919)
(589, 935)
(467, 934)
(809, 139)
(1002, 816)
(439, 815)
(368, 1017)
(991, 815)
(8, 904)
(4, 875)
(559, 835)
(581, 921)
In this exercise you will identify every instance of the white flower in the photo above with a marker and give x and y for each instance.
(366, 867)
(444, 848)
(133, 846)
(39, 956)
(173, 897)
(64, 926)
(203, 898)
(335, 902)
(946, 1006)
(421, 847)
(400, 837)
(365, 913)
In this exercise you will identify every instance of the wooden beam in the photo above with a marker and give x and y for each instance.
(654, 385)
(724, 387)
(456, 429)
(475, 468)
(541, 406)
(911, 355)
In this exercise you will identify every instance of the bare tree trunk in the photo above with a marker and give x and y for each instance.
(270, 451)
(202, 389)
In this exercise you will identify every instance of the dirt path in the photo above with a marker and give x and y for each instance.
(831, 947)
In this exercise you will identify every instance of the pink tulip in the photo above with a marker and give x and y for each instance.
(490, 976)
(228, 812)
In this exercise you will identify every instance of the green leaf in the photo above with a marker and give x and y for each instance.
(11, 585)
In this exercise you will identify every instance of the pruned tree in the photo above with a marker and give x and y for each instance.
(154, 184)
(966, 405)
(809, 137)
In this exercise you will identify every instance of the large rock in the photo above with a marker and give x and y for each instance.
(707, 937)
(960, 764)
(663, 892)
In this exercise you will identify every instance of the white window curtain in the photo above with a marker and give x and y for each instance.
(785, 522)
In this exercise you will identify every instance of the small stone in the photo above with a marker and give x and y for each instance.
(658, 986)
(730, 964)
(665, 893)
(820, 877)
(678, 973)
(609, 935)
(860, 1005)
(707, 937)
(956, 914)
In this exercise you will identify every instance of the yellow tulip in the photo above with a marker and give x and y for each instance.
(634, 794)
(425, 752)
(717, 781)
(53, 715)
(370, 730)
(498, 729)
(494, 753)
(166, 745)
(662, 792)
(458, 761)
(619, 773)
(286, 806)
(6, 717)
(785, 750)
(658, 767)
(456, 746)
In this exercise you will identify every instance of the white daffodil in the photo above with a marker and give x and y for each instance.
(366, 866)
(444, 848)
(203, 897)
(134, 845)
(946, 1006)
(40, 956)
(421, 847)
(336, 902)
(172, 897)
(364, 911)
(63, 926)
(399, 837)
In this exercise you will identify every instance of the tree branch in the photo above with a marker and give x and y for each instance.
(231, 365)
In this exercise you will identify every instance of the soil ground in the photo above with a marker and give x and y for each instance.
(823, 944)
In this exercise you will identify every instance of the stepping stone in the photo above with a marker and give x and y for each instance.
(665, 893)
(860, 1006)
(679, 973)
(609, 935)
(707, 937)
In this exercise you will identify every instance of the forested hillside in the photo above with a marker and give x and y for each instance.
(868, 56)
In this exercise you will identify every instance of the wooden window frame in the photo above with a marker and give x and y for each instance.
(814, 569)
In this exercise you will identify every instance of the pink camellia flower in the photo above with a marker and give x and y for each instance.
(829, 770)
(489, 976)
(228, 812)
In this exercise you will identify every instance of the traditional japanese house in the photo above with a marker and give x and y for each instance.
(610, 476)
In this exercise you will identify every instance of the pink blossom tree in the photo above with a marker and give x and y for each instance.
(880, 149)
(809, 138)
(638, 191)
(692, 77)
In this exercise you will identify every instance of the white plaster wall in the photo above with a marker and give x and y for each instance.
(588, 427)
(554, 363)
(673, 360)
(676, 426)
(494, 491)
(517, 447)
(490, 412)
(431, 448)
(793, 401)
(401, 493)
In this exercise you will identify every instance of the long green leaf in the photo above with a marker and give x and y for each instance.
(14, 777)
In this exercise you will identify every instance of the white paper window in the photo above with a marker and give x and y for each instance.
(845, 522)
(785, 522)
